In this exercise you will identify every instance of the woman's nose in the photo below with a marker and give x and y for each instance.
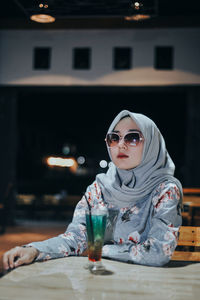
(121, 143)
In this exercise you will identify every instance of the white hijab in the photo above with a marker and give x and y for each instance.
(125, 188)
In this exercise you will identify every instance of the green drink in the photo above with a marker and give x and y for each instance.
(96, 224)
(95, 235)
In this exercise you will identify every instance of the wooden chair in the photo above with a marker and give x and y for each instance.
(188, 236)
(191, 206)
(187, 214)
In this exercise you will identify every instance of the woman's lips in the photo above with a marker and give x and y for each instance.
(122, 155)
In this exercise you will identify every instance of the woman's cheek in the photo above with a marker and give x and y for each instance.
(113, 153)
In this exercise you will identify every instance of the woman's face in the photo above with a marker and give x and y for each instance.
(123, 156)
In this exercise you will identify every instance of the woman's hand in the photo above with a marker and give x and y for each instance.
(18, 256)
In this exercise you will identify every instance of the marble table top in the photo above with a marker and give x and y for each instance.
(67, 278)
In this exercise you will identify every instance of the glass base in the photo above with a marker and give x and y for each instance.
(89, 265)
(97, 268)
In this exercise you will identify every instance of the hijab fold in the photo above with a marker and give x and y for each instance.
(125, 188)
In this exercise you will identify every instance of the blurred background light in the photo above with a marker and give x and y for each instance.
(109, 165)
(103, 164)
(66, 149)
(60, 162)
(81, 160)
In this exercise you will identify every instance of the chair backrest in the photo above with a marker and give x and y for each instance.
(191, 191)
(191, 206)
(188, 236)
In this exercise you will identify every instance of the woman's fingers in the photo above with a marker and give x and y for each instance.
(27, 256)
(25, 259)
(19, 256)
(5, 261)
(9, 257)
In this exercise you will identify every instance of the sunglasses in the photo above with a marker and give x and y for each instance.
(132, 139)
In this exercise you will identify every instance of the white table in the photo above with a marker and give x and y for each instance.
(66, 278)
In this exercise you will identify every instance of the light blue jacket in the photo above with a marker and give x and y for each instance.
(129, 236)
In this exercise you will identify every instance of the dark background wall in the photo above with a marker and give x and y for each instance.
(192, 141)
(8, 154)
(36, 122)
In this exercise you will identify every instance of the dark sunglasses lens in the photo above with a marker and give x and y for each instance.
(132, 139)
(112, 139)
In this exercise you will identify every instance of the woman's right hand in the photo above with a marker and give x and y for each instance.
(18, 256)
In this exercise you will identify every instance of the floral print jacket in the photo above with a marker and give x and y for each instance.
(129, 236)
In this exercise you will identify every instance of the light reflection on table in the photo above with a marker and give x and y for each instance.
(67, 278)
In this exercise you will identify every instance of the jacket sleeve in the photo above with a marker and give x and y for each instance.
(72, 242)
(162, 237)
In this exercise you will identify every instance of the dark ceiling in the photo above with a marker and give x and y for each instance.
(14, 14)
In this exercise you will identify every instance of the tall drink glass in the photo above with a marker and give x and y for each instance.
(96, 219)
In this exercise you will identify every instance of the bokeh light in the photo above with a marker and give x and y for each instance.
(103, 163)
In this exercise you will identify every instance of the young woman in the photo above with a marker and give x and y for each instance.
(142, 196)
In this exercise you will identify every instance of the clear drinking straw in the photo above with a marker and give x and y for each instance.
(90, 218)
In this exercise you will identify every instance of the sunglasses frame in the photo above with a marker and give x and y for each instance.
(141, 138)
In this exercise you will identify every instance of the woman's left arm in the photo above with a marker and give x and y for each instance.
(162, 238)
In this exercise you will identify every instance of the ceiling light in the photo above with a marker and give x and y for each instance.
(42, 15)
(42, 18)
(142, 10)
(137, 5)
(137, 17)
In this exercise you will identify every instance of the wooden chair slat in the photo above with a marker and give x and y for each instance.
(188, 236)
(186, 256)
(190, 204)
(195, 199)
(191, 190)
